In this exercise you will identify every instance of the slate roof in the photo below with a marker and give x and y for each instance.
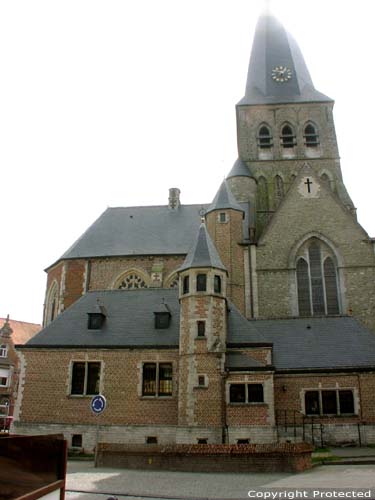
(152, 230)
(299, 344)
(273, 46)
(239, 361)
(203, 253)
(224, 199)
(130, 321)
(319, 343)
(240, 169)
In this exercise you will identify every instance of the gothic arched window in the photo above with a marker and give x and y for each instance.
(132, 281)
(317, 280)
(311, 136)
(288, 137)
(52, 303)
(264, 138)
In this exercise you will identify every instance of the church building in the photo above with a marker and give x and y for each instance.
(240, 320)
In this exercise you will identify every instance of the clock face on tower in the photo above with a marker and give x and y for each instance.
(281, 74)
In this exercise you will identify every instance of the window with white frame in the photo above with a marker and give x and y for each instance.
(85, 379)
(4, 377)
(329, 402)
(317, 280)
(3, 351)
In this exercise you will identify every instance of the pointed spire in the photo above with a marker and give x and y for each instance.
(224, 199)
(6, 329)
(240, 169)
(203, 253)
(277, 70)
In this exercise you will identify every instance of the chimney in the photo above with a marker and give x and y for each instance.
(174, 198)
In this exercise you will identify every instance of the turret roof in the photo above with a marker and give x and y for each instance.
(273, 47)
(203, 253)
(240, 169)
(224, 199)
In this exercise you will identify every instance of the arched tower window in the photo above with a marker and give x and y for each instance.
(288, 137)
(52, 303)
(317, 280)
(264, 138)
(311, 136)
(279, 190)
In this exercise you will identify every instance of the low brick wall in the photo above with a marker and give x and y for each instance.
(286, 457)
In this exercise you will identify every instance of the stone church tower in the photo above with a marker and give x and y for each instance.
(308, 255)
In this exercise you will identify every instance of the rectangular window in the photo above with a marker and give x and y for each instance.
(201, 381)
(312, 402)
(255, 393)
(329, 402)
(346, 401)
(237, 393)
(85, 378)
(222, 217)
(4, 377)
(217, 284)
(157, 379)
(246, 393)
(201, 328)
(165, 379)
(186, 285)
(201, 282)
(3, 351)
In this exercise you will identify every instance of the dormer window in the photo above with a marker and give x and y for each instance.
(288, 138)
(264, 138)
(3, 351)
(96, 317)
(201, 282)
(162, 317)
(162, 320)
(95, 321)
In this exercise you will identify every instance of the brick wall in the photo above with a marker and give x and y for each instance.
(208, 458)
(105, 272)
(47, 372)
(226, 237)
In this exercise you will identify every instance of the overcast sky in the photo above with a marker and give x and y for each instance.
(111, 103)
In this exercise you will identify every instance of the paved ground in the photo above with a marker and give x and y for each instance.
(139, 485)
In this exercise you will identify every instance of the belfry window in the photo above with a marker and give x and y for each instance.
(311, 136)
(317, 280)
(264, 138)
(288, 138)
